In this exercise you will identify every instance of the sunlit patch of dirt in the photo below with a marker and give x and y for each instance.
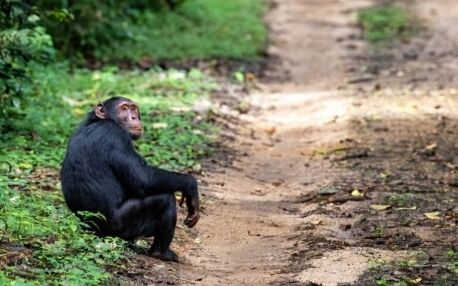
(308, 247)
(344, 265)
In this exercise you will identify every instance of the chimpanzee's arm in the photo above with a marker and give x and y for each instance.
(142, 180)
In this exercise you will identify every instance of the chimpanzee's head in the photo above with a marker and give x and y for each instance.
(123, 111)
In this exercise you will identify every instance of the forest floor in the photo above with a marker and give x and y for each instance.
(344, 170)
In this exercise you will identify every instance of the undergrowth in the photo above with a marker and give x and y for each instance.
(199, 29)
(413, 270)
(453, 265)
(41, 242)
(385, 23)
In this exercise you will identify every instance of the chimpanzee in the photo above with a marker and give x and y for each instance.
(103, 173)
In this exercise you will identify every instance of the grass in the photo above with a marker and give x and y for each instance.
(41, 242)
(453, 264)
(385, 23)
(198, 29)
(398, 200)
(410, 270)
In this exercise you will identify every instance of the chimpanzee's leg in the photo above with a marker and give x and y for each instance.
(164, 232)
(152, 216)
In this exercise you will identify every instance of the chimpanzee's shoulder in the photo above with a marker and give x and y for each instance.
(104, 132)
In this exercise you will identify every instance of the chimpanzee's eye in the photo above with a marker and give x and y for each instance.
(124, 108)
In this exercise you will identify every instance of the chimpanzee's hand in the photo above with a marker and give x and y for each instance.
(190, 194)
(192, 202)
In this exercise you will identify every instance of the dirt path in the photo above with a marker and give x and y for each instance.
(248, 234)
(282, 213)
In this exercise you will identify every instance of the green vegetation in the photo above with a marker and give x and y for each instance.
(409, 270)
(116, 31)
(62, 99)
(44, 95)
(41, 240)
(383, 282)
(43, 243)
(22, 41)
(198, 29)
(398, 200)
(385, 23)
(453, 265)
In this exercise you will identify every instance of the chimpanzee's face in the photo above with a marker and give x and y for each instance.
(128, 116)
(124, 112)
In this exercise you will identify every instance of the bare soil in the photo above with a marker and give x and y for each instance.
(290, 198)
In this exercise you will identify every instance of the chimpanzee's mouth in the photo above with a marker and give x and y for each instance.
(136, 128)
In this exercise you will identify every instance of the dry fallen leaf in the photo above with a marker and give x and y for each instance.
(316, 222)
(356, 193)
(180, 109)
(197, 168)
(450, 166)
(431, 146)
(244, 107)
(380, 207)
(383, 175)
(178, 196)
(270, 130)
(159, 125)
(411, 208)
(78, 111)
(250, 76)
(432, 215)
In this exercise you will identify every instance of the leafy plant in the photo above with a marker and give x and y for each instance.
(453, 258)
(50, 244)
(64, 253)
(93, 27)
(383, 282)
(22, 41)
(197, 29)
(398, 200)
(384, 23)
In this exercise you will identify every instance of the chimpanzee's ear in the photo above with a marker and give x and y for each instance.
(100, 111)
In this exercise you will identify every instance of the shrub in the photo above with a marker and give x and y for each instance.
(95, 25)
(386, 22)
(22, 41)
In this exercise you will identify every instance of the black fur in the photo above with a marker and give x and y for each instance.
(103, 173)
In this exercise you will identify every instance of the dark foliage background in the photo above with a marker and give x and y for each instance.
(32, 31)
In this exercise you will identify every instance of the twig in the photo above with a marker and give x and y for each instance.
(186, 280)
(356, 155)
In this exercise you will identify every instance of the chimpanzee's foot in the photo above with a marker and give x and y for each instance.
(168, 255)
